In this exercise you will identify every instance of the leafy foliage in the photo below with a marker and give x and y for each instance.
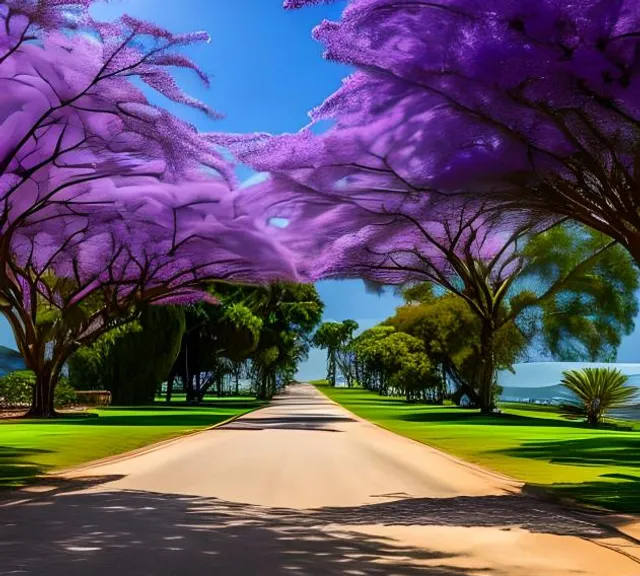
(291, 312)
(258, 333)
(528, 105)
(65, 394)
(598, 390)
(16, 388)
(131, 362)
(582, 293)
(392, 362)
(458, 107)
(450, 334)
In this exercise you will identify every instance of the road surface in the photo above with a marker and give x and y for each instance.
(300, 487)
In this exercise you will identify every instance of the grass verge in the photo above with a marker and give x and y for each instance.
(530, 443)
(29, 448)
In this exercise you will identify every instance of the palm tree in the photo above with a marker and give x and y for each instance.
(333, 337)
(598, 390)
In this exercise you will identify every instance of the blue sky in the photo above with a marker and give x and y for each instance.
(267, 72)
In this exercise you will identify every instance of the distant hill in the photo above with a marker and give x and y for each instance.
(10, 360)
(539, 382)
(546, 374)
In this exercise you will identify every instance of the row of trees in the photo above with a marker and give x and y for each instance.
(335, 338)
(565, 293)
(257, 334)
(468, 132)
(109, 204)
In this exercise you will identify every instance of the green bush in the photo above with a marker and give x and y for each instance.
(597, 391)
(64, 394)
(16, 388)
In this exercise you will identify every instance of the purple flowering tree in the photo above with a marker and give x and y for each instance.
(530, 105)
(106, 200)
(456, 108)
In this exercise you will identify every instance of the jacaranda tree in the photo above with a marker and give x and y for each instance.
(106, 200)
(574, 283)
(458, 107)
(531, 105)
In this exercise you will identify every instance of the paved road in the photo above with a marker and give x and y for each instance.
(301, 487)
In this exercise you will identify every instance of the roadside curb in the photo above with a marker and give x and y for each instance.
(517, 484)
(73, 472)
(600, 517)
(146, 449)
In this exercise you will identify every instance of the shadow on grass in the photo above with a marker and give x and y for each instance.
(186, 416)
(136, 532)
(617, 492)
(15, 468)
(475, 418)
(238, 404)
(179, 420)
(608, 450)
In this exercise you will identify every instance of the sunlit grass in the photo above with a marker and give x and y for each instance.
(534, 444)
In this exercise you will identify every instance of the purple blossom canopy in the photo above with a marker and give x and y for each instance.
(99, 186)
(530, 104)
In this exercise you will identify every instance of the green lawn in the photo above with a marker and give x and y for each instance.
(31, 447)
(533, 444)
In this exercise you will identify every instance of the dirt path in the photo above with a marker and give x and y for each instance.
(301, 487)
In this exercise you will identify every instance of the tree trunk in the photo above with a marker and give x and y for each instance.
(170, 381)
(332, 367)
(262, 386)
(189, 389)
(237, 377)
(487, 371)
(42, 405)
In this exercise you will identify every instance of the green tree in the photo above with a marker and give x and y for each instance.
(392, 362)
(290, 313)
(132, 361)
(450, 333)
(570, 287)
(261, 332)
(17, 389)
(216, 339)
(334, 337)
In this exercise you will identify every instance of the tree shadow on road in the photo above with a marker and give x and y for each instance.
(306, 422)
(505, 511)
(135, 532)
(146, 533)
